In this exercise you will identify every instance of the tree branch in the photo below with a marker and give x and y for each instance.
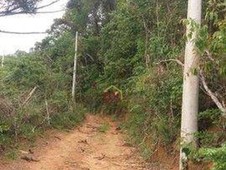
(176, 60)
(47, 5)
(29, 96)
(209, 55)
(219, 104)
(14, 11)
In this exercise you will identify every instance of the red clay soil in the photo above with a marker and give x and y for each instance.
(84, 148)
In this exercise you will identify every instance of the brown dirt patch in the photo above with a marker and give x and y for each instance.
(84, 148)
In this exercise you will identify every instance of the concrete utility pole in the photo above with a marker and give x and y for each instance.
(189, 122)
(75, 66)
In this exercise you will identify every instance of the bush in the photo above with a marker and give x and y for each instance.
(154, 106)
(68, 120)
(216, 155)
(18, 77)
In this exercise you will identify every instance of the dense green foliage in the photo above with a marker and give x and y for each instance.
(135, 46)
(218, 155)
(36, 95)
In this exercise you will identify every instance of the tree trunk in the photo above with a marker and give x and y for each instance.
(191, 84)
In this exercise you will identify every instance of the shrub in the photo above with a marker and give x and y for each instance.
(216, 155)
(68, 119)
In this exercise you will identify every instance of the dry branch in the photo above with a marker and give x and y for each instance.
(29, 96)
(29, 158)
(208, 91)
(176, 60)
(219, 104)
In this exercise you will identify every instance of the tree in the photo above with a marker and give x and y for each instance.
(191, 82)
(17, 6)
(13, 7)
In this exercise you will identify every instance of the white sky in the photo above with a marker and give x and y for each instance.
(10, 43)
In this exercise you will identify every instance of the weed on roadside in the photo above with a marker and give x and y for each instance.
(104, 127)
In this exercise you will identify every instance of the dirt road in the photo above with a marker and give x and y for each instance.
(95, 145)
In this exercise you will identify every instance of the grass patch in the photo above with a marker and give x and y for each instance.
(28, 129)
(68, 120)
(11, 154)
(104, 127)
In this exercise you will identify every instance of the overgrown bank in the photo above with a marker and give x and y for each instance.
(33, 98)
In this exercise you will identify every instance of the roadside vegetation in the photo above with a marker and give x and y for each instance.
(130, 64)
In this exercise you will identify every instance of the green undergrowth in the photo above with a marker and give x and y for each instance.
(154, 119)
(68, 120)
(138, 48)
(34, 98)
(104, 127)
(29, 130)
(216, 155)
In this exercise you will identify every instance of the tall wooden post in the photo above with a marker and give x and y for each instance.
(3, 57)
(75, 66)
